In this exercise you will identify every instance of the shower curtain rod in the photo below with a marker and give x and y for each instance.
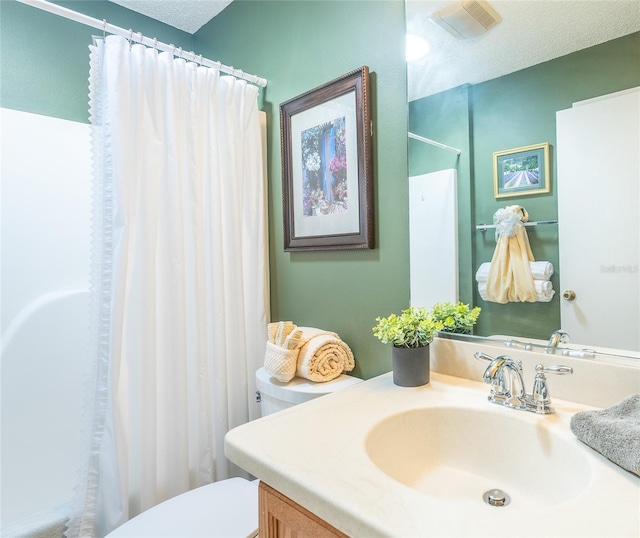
(434, 143)
(139, 38)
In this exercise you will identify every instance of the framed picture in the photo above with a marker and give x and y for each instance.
(521, 171)
(327, 172)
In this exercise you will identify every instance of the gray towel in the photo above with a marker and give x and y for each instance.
(614, 432)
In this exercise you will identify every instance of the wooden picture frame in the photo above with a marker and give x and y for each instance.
(327, 172)
(521, 171)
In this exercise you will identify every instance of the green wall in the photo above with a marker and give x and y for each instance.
(44, 59)
(517, 110)
(296, 45)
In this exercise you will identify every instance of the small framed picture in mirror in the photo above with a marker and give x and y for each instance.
(327, 171)
(521, 171)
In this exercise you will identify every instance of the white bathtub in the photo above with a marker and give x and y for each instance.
(45, 239)
(44, 352)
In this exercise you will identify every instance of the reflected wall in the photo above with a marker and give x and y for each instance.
(515, 110)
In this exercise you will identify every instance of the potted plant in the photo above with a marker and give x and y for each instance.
(455, 318)
(410, 333)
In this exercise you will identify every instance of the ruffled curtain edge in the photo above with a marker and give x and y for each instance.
(84, 505)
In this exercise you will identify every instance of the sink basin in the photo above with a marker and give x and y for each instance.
(378, 460)
(460, 453)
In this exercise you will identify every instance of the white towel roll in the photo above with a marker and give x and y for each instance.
(539, 270)
(323, 355)
(483, 272)
(544, 289)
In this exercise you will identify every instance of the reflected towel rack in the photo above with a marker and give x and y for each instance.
(434, 143)
(485, 227)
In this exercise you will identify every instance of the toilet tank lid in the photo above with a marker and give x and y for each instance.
(300, 390)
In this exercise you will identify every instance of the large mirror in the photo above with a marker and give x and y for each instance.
(502, 89)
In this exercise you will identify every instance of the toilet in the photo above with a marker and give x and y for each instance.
(228, 508)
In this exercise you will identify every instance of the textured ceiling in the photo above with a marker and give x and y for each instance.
(186, 15)
(531, 32)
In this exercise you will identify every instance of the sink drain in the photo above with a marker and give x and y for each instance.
(496, 497)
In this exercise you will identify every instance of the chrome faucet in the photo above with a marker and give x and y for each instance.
(557, 337)
(507, 384)
(505, 377)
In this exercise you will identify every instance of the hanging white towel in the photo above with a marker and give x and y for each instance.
(544, 290)
(539, 271)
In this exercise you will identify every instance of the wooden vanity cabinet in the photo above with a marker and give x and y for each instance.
(280, 517)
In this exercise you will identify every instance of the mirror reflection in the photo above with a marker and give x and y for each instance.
(536, 76)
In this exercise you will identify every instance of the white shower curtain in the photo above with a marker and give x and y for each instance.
(180, 278)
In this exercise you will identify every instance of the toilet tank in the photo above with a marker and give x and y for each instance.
(274, 395)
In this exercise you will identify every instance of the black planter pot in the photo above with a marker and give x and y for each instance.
(411, 366)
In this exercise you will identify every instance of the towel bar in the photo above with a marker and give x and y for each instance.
(485, 227)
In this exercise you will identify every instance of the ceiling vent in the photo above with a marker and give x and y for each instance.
(466, 19)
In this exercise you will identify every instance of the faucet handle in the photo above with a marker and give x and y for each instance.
(540, 398)
(558, 369)
(483, 356)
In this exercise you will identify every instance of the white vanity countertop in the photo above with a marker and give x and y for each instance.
(315, 454)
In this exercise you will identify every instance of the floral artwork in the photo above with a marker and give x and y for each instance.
(327, 166)
(324, 166)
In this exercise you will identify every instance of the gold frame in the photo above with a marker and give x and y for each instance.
(536, 183)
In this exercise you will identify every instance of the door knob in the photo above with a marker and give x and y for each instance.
(569, 295)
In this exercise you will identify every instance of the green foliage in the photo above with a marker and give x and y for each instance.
(455, 318)
(526, 163)
(413, 328)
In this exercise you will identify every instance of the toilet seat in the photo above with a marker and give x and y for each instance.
(229, 508)
(225, 509)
